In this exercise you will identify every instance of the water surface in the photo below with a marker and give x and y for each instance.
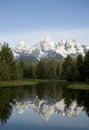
(44, 107)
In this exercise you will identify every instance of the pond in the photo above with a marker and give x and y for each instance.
(44, 107)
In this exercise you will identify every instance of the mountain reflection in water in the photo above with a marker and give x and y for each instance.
(44, 99)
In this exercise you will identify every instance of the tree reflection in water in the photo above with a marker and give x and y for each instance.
(10, 95)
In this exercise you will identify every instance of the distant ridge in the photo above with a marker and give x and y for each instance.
(48, 49)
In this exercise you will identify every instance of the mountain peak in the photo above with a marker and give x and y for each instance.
(47, 44)
(48, 49)
(22, 44)
(47, 39)
(21, 49)
(73, 42)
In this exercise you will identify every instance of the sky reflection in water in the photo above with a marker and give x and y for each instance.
(43, 99)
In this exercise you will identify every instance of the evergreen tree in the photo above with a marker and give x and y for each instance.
(6, 61)
(41, 69)
(80, 67)
(32, 70)
(17, 72)
(21, 64)
(51, 69)
(9, 69)
(68, 69)
(86, 65)
(6, 53)
(59, 70)
(26, 71)
(4, 71)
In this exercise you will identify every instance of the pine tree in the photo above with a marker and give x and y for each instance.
(4, 71)
(9, 69)
(6, 53)
(21, 66)
(59, 70)
(21, 63)
(51, 69)
(17, 72)
(80, 67)
(6, 61)
(41, 69)
(32, 70)
(86, 65)
(68, 69)
(26, 71)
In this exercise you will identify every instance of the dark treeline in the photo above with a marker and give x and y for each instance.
(69, 69)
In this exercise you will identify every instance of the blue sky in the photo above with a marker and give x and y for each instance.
(32, 20)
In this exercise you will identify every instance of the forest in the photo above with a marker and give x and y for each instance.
(70, 69)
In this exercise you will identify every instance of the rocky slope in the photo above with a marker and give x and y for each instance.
(48, 49)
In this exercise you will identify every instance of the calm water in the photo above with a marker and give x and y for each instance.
(44, 107)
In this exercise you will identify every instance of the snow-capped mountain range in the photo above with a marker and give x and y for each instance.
(47, 48)
(47, 107)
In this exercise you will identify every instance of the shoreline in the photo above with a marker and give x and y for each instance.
(26, 82)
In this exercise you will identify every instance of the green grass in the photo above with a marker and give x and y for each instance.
(25, 82)
(17, 83)
(80, 86)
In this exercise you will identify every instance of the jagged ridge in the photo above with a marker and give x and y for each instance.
(48, 49)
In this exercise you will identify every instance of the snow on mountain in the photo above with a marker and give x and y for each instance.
(73, 47)
(42, 49)
(47, 44)
(48, 49)
(70, 47)
(48, 107)
(21, 49)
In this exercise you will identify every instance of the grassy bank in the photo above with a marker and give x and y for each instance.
(25, 82)
(80, 86)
